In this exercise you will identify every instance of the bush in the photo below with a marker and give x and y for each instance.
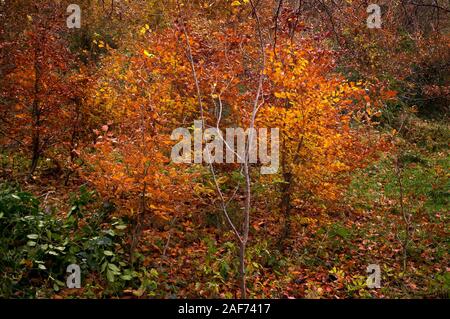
(36, 247)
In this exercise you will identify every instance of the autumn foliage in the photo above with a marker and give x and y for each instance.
(97, 107)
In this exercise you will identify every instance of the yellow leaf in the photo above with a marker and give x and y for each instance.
(280, 95)
(148, 54)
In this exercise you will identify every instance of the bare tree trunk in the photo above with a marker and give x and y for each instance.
(286, 193)
(275, 19)
(242, 248)
(242, 236)
(34, 149)
(138, 223)
(286, 205)
(142, 209)
(35, 114)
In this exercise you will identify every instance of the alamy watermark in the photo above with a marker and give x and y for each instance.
(374, 278)
(74, 19)
(374, 18)
(74, 279)
(238, 143)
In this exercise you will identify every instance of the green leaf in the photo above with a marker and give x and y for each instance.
(110, 275)
(108, 253)
(154, 272)
(33, 236)
(126, 277)
(31, 243)
(41, 266)
(72, 210)
(110, 232)
(104, 266)
(114, 268)
(139, 292)
(59, 283)
(224, 269)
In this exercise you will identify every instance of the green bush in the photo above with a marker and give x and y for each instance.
(36, 247)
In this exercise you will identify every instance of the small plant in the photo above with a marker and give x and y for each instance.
(36, 247)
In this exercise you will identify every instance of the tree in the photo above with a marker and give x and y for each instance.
(38, 83)
(130, 162)
(320, 116)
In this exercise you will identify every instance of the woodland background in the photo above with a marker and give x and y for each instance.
(86, 177)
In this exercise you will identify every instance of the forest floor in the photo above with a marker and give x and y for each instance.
(326, 255)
